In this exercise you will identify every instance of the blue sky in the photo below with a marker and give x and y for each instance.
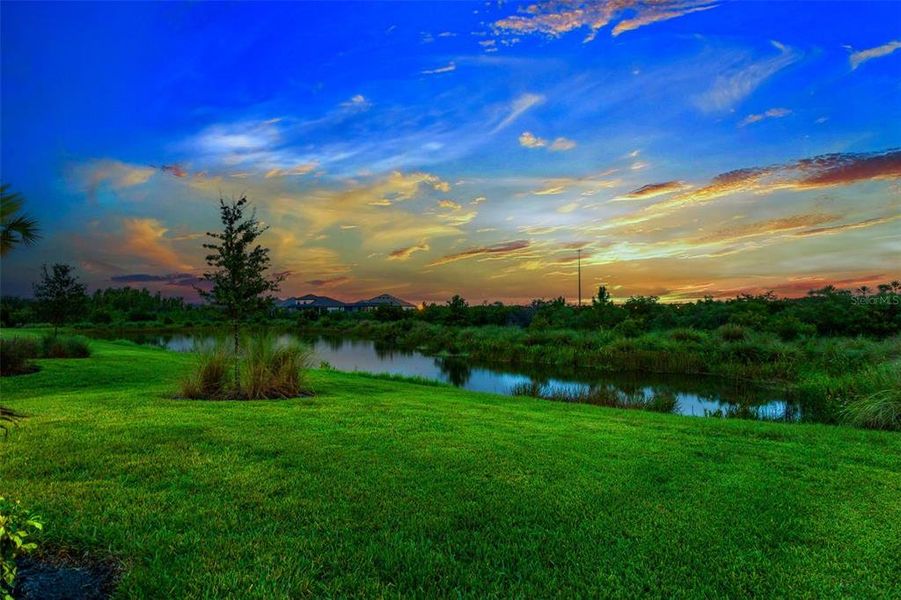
(434, 148)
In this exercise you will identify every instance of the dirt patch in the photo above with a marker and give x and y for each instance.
(65, 578)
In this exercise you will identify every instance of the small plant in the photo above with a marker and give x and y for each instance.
(8, 418)
(65, 346)
(16, 354)
(17, 525)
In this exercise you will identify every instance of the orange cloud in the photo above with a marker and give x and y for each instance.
(145, 238)
(502, 248)
(406, 253)
(652, 190)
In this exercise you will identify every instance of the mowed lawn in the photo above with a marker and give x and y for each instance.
(386, 488)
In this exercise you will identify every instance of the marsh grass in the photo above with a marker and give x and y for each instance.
(269, 368)
(600, 395)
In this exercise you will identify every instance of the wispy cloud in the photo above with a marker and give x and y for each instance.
(330, 282)
(861, 56)
(481, 251)
(824, 171)
(451, 66)
(113, 173)
(301, 169)
(773, 113)
(653, 190)
(738, 82)
(408, 251)
(519, 106)
(656, 14)
(553, 18)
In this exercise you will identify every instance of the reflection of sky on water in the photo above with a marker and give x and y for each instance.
(694, 397)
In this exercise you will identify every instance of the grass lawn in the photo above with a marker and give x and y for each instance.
(387, 488)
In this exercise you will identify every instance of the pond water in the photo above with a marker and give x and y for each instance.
(685, 395)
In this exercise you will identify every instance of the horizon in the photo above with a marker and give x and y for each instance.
(426, 150)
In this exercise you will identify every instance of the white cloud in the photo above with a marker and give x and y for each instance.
(446, 69)
(519, 106)
(773, 113)
(862, 56)
(737, 83)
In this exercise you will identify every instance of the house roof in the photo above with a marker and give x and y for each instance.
(313, 301)
(385, 300)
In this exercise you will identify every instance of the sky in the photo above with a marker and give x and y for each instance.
(684, 147)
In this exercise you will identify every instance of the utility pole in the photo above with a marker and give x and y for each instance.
(580, 275)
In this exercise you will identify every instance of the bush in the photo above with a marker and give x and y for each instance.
(16, 526)
(629, 328)
(732, 333)
(65, 346)
(791, 328)
(687, 335)
(15, 355)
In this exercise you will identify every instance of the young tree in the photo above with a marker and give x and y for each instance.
(59, 295)
(15, 227)
(240, 285)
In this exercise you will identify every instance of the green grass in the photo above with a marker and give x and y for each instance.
(378, 487)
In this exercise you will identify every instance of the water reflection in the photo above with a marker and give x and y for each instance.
(697, 396)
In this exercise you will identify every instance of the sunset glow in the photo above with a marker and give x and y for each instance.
(688, 148)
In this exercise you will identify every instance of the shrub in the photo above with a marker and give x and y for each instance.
(629, 328)
(687, 335)
(209, 380)
(16, 526)
(65, 346)
(15, 355)
(732, 333)
(791, 328)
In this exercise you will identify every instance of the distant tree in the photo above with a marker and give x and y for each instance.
(15, 228)
(240, 285)
(59, 295)
(603, 297)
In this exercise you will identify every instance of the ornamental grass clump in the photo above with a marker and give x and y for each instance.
(269, 368)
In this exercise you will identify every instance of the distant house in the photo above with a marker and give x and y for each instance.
(382, 300)
(325, 304)
(313, 302)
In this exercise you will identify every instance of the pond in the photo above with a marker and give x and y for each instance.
(679, 394)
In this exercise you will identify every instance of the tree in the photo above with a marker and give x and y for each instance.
(240, 286)
(15, 228)
(59, 294)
